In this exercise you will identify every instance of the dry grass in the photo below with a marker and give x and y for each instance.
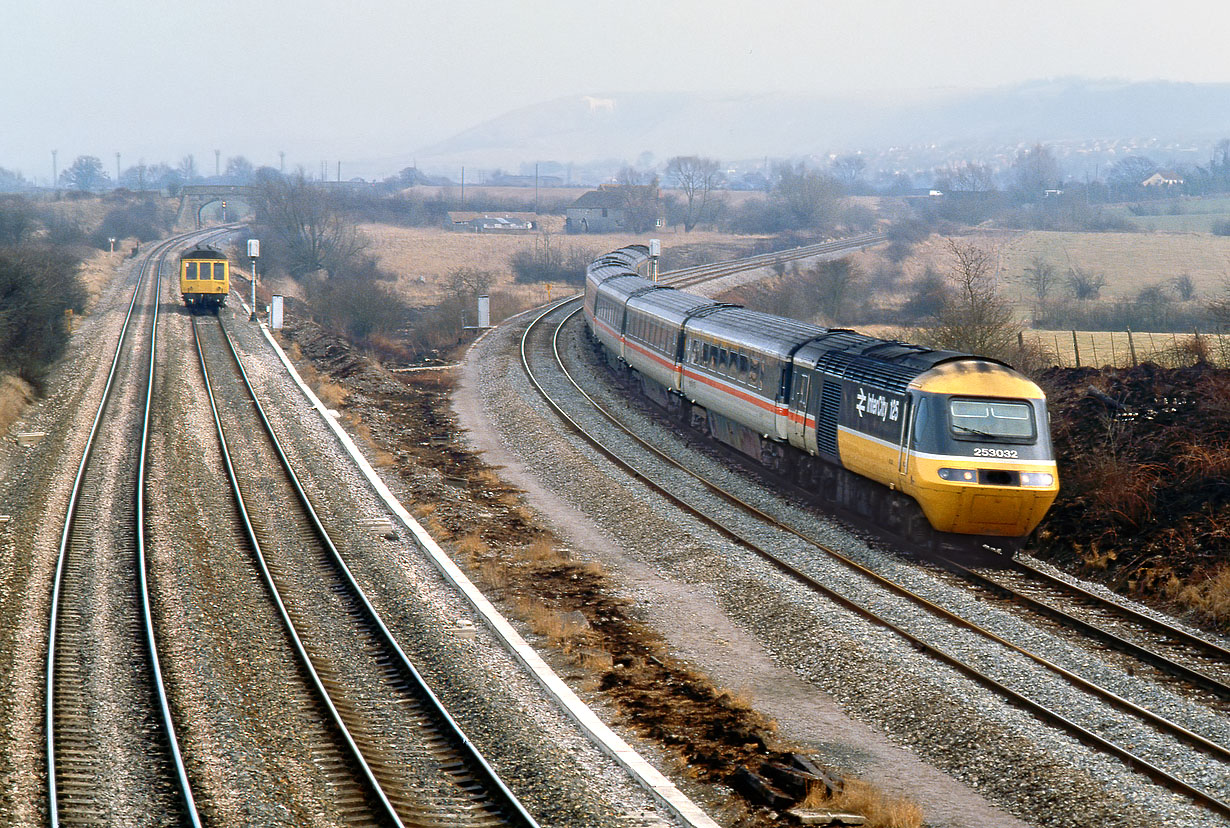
(15, 395)
(494, 573)
(376, 455)
(330, 393)
(98, 269)
(1101, 348)
(863, 798)
(1129, 261)
(1210, 598)
(422, 257)
(562, 630)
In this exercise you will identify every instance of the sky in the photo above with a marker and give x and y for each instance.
(369, 81)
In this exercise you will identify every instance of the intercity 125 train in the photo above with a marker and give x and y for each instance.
(942, 449)
(204, 277)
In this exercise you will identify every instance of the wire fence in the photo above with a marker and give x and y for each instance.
(1125, 349)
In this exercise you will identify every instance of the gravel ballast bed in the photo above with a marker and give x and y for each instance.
(559, 775)
(1038, 773)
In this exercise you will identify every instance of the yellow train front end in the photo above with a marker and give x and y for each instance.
(204, 278)
(980, 459)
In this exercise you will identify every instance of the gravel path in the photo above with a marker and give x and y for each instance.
(814, 664)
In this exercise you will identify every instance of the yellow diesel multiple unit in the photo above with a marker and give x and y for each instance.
(204, 278)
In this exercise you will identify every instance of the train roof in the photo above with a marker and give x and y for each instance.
(669, 303)
(200, 252)
(765, 332)
(837, 351)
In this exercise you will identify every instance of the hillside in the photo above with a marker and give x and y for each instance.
(1174, 121)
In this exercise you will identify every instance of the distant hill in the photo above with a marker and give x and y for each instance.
(1170, 121)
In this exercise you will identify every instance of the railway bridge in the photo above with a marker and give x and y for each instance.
(199, 196)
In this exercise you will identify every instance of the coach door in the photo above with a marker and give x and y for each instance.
(796, 417)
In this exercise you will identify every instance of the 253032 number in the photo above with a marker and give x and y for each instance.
(994, 452)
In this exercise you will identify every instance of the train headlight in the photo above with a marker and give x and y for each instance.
(958, 475)
(1040, 479)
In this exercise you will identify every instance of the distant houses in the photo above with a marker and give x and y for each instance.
(613, 209)
(504, 223)
(1163, 179)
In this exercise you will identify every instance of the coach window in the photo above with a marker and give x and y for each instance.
(190, 270)
(743, 367)
(219, 271)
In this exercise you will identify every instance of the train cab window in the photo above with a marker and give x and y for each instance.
(219, 271)
(996, 419)
(189, 270)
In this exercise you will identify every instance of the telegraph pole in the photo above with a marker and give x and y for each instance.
(55, 172)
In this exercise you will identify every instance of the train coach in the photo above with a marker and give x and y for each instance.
(204, 277)
(943, 449)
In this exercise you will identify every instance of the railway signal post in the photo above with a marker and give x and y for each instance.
(254, 252)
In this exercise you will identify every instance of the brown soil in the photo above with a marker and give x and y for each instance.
(709, 731)
(1144, 470)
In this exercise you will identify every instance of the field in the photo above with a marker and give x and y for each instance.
(1129, 261)
(1114, 348)
(1181, 215)
(423, 257)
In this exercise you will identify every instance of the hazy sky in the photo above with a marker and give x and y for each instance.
(375, 79)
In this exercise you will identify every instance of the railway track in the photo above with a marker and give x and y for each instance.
(111, 749)
(689, 276)
(398, 757)
(1172, 650)
(1179, 740)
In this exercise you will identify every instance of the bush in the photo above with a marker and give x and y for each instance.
(37, 286)
(545, 263)
(140, 220)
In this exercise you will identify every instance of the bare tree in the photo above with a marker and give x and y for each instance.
(239, 170)
(810, 197)
(848, 169)
(311, 233)
(86, 174)
(642, 202)
(1040, 277)
(187, 168)
(1035, 171)
(968, 177)
(467, 283)
(837, 281)
(974, 317)
(1219, 307)
(1085, 284)
(697, 178)
(1184, 287)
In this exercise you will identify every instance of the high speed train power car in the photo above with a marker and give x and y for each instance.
(204, 277)
(943, 449)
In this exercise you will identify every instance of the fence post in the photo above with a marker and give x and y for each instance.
(1114, 357)
(1058, 356)
(1131, 346)
(1077, 348)
(1094, 346)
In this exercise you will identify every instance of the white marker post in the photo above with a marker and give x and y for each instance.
(254, 252)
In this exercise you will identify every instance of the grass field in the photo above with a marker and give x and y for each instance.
(423, 257)
(1101, 348)
(1129, 261)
